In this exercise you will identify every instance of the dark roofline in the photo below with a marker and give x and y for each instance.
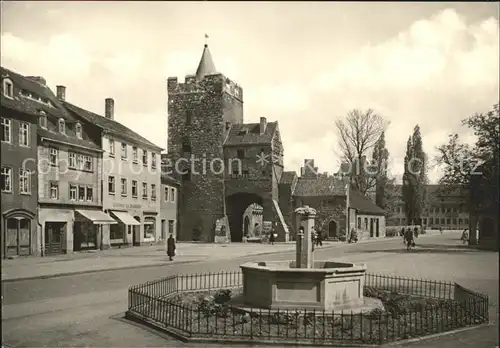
(150, 146)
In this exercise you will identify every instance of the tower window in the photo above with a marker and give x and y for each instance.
(186, 146)
(189, 116)
(240, 154)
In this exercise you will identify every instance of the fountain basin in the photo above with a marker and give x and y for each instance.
(328, 285)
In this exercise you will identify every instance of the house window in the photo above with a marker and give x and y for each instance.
(72, 192)
(144, 158)
(53, 153)
(79, 162)
(90, 193)
(78, 130)
(442, 221)
(153, 192)
(111, 147)
(144, 190)
(42, 119)
(466, 221)
(54, 190)
(72, 160)
(448, 221)
(62, 126)
(24, 181)
(124, 187)
(454, 221)
(111, 185)
(366, 223)
(189, 116)
(431, 221)
(135, 155)
(170, 226)
(172, 194)
(460, 222)
(153, 160)
(81, 193)
(424, 221)
(240, 154)
(124, 151)
(166, 190)
(87, 163)
(134, 188)
(24, 134)
(8, 88)
(359, 222)
(6, 179)
(6, 130)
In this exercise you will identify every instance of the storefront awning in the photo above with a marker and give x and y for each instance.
(97, 217)
(125, 218)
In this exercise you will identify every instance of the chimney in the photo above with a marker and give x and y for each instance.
(263, 125)
(61, 92)
(109, 109)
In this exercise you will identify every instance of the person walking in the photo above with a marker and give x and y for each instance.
(272, 237)
(171, 247)
(465, 236)
(319, 239)
(409, 239)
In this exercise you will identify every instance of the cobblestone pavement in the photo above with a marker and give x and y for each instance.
(82, 310)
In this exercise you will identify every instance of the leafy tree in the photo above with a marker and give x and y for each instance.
(358, 134)
(461, 162)
(385, 190)
(414, 178)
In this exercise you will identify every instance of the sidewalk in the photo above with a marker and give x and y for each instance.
(139, 257)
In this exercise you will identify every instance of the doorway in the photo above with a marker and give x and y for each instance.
(136, 237)
(246, 225)
(53, 237)
(18, 237)
(377, 227)
(371, 227)
(332, 229)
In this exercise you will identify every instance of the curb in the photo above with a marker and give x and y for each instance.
(436, 335)
(67, 274)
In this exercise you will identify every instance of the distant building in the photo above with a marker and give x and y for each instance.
(444, 209)
(169, 207)
(20, 114)
(131, 179)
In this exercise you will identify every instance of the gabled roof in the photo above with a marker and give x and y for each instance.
(169, 180)
(27, 105)
(111, 126)
(206, 65)
(363, 204)
(249, 134)
(321, 186)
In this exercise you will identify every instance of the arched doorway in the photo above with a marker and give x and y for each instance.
(237, 204)
(332, 229)
(17, 236)
(136, 234)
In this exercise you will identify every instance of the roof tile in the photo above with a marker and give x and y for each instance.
(249, 134)
(320, 187)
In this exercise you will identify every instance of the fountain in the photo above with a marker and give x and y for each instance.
(305, 283)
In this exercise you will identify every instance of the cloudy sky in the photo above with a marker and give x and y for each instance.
(303, 64)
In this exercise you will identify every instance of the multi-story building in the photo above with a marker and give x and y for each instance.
(446, 209)
(131, 179)
(168, 205)
(20, 113)
(70, 175)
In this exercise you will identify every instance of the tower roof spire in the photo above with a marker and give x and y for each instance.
(206, 66)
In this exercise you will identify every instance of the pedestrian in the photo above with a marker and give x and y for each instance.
(319, 239)
(415, 230)
(409, 239)
(171, 247)
(272, 237)
(465, 236)
(354, 236)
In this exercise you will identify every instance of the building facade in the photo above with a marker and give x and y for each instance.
(70, 175)
(131, 180)
(169, 208)
(19, 166)
(446, 209)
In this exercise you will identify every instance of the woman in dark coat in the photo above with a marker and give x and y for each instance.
(409, 239)
(171, 247)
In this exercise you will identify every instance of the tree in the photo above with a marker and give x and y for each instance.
(461, 161)
(414, 177)
(380, 160)
(358, 134)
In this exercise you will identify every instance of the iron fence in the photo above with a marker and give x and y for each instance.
(158, 303)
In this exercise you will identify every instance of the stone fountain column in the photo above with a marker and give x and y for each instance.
(304, 254)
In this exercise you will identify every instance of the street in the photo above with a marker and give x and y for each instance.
(85, 310)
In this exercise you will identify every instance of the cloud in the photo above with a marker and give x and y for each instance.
(125, 64)
(62, 55)
(435, 73)
(279, 98)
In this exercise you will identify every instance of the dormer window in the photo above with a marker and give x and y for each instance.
(42, 119)
(62, 126)
(242, 132)
(78, 130)
(8, 88)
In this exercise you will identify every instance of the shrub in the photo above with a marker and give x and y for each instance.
(222, 296)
